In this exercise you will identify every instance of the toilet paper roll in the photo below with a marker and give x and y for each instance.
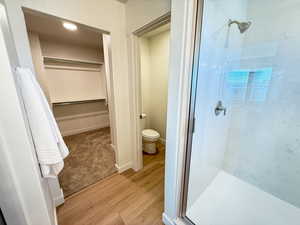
(143, 116)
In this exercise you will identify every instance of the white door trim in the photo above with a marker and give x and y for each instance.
(136, 92)
(183, 26)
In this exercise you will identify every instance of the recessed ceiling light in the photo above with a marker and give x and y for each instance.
(70, 26)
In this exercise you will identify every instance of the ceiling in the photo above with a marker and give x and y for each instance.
(49, 27)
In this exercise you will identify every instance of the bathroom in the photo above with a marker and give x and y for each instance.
(154, 62)
(229, 154)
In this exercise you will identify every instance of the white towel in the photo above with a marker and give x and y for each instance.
(49, 144)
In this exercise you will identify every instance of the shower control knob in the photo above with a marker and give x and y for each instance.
(220, 108)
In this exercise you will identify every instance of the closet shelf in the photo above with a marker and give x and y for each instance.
(78, 102)
(51, 59)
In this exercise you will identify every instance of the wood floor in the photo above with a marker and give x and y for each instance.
(130, 198)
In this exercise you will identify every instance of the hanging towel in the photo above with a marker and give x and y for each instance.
(49, 144)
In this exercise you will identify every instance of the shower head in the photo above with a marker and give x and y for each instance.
(243, 26)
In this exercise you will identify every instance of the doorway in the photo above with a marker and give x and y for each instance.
(151, 84)
(72, 65)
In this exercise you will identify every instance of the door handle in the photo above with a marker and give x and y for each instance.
(220, 108)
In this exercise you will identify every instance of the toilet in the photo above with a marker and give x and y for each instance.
(150, 138)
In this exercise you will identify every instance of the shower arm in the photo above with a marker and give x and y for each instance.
(230, 22)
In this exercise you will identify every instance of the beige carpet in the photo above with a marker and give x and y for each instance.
(91, 159)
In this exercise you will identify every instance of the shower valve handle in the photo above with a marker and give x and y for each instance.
(220, 108)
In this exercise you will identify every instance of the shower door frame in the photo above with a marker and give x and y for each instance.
(191, 114)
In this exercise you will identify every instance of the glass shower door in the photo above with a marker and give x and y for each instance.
(244, 163)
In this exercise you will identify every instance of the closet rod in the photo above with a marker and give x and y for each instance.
(78, 102)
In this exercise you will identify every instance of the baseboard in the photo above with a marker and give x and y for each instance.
(113, 147)
(55, 216)
(82, 130)
(60, 199)
(162, 141)
(167, 220)
(124, 167)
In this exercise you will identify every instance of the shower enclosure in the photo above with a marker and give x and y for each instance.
(243, 158)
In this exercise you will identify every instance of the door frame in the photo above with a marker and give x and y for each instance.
(136, 92)
(191, 111)
(182, 59)
(110, 99)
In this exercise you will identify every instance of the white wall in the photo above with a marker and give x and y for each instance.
(37, 58)
(78, 118)
(145, 78)
(75, 84)
(62, 49)
(263, 146)
(159, 74)
(64, 84)
(218, 47)
(57, 80)
(154, 80)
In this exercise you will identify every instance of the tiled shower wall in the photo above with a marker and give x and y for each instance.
(263, 144)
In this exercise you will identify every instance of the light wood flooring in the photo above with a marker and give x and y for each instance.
(129, 198)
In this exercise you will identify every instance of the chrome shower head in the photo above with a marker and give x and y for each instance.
(243, 26)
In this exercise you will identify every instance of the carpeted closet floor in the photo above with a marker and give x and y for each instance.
(91, 159)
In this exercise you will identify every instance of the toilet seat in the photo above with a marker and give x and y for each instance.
(150, 134)
(150, 138)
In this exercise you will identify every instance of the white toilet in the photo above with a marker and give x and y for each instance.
(150, 138)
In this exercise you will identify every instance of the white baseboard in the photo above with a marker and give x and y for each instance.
(162, 141)
(124, 167)
(167, 220)
(113, 147)
(60, 199)
(82, 130)
(55, 216)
